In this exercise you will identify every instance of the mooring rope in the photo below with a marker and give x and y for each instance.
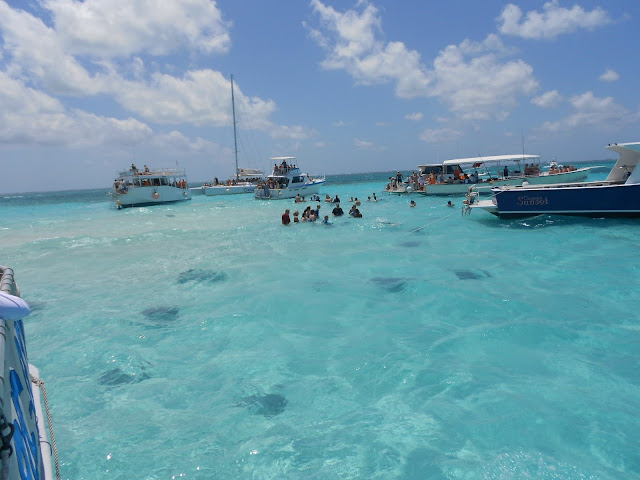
(40, 383)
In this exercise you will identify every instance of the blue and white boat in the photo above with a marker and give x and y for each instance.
(26, 451)
(286, 181)
(617, 196)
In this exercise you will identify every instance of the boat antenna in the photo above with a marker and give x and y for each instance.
(235, 138)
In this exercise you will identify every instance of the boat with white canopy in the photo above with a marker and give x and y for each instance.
(450, 178)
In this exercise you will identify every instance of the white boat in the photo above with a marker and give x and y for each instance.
(138, 188)
(26, 450)
(449, 177)
(245, 180)
(286, 181)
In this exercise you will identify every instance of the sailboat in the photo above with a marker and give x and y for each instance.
(245, 179)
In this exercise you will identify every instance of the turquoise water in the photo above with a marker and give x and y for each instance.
(205, 340)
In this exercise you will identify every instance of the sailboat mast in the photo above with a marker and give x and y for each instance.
(235, 138)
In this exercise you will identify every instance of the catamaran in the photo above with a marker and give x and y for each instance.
(245, 180)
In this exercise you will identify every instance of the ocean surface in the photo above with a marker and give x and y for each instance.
(204, 340)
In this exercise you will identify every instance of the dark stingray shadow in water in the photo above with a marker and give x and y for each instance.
(391, 284)
(161, 315)
(267, 405)
(410, 244)
(170, 215)
(202, 276)
(116, 377)
(471, 275)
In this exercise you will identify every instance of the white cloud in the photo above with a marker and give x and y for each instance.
(416, 116)
(295, 132)
(591, 111)
(441, 135)
(32, 117)
(472, 78)
(548, 99)
(476, 84)
(74, 58)
(114, 28)
(551, 22)
(363, 144)
(609, 76)
(350, 39)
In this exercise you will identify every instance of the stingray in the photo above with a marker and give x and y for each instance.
(410, 244)
(202, 276)
(161, 314)
(391, 284)
(116, 377)
(471, 275)
(268, 405)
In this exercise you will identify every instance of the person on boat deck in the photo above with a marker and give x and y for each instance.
(399, 177)
(283, 165)
(215, 181)
(146, 169)
(337, 211)
(413, 203)
(456, 173)
(295, 217)
(506, 171)
(286, 220)
(134, 169)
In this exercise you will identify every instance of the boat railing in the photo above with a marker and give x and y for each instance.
(25, 449)
(7, 282)
(158, 172)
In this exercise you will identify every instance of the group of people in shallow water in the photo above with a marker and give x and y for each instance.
(312, 215)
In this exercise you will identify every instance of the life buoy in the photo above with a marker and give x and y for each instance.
(156, 195)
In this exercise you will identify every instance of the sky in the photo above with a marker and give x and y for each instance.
(89, 87)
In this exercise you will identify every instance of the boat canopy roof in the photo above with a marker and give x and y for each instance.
(283, 158)
(250, 172)
(493, 159)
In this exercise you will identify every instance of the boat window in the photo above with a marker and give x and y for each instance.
(435, 169)
(299, 179)
(450, 169)
(156, 182)
(163, 181)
